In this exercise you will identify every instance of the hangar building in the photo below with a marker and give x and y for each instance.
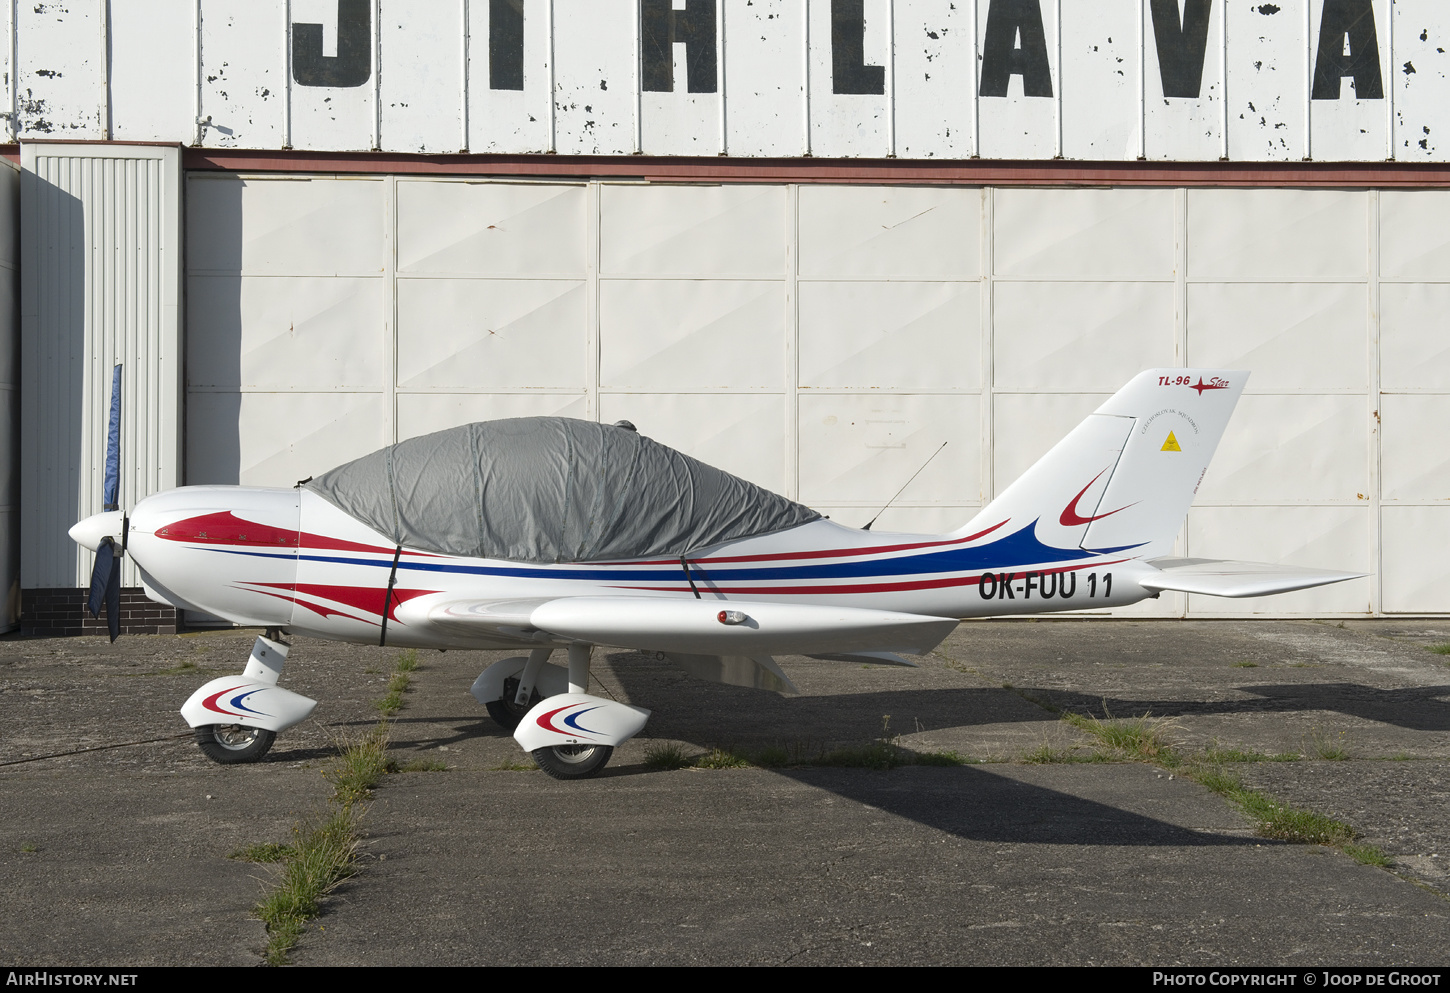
(808, 241)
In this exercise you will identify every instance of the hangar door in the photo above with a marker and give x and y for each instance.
(825, 341)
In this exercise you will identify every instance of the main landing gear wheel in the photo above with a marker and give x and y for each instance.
(572, 761)
(233, 744)
(507, 714)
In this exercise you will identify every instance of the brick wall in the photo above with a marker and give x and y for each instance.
(58, 612)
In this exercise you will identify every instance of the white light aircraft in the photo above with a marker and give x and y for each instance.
(1090, 525)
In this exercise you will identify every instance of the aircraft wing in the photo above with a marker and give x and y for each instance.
(1222, 577)
(693, 627)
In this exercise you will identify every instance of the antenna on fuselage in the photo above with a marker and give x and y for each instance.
(903, 488)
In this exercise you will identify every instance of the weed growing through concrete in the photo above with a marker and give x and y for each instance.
(263, 852)
(664, 756)
(1441, 649)
(1246, 665)
(508, 765)
(1330, 747)
(325, 851)
(1045, 754)
(324, 848)
(398, 684)
(1367, 855)
(29, 847)
(1276, 820)
(1146, 739)
(772, 757)
(360, 766)
(1143, 737)
(879, 754)
(420, 765)
(722, 758)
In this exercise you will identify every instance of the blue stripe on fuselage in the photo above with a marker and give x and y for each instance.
(1017, 549)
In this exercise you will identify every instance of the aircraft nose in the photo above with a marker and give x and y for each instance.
(90, 532)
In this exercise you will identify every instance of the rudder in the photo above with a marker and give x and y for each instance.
(1126, 476)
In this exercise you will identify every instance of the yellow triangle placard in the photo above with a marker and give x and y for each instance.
(1171, 445)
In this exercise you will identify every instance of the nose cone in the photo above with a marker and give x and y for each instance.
(90, 532)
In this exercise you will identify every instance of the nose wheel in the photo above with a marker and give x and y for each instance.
(233, 744)
(572, 761)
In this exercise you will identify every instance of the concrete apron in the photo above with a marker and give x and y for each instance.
(1005, 862)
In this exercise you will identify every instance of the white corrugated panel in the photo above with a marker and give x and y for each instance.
(1291, 336)
(595, 76)
(10, 395)
(421, 94)
(1079, 336)
(153, 93)
(668, 335)
(935, 76)
(872, 335)
(743, 433)
(1101, 116)
(693, 230)
(1278, 234)
(101, 235)
(860, 449)
(243, 74)
(1313, 537)
(1415, 582)
(491, 334)
(765, 73)
(1094, 234)
(506, 119)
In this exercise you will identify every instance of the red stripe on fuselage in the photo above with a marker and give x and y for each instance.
(226, 528)
(368, 599)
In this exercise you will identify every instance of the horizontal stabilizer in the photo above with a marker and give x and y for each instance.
(691, 627)
(1221, 577)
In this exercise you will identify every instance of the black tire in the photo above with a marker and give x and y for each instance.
(232, 744)
(573, 761)
(507, 714)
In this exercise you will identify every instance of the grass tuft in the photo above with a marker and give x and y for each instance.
(324, 853)
(422, 765)
(1246, 665)
(1441, 649)
(1367, 855)
(398, 685)
(1275, 820)
(263, 852)
(722, 758)
(664, 756)
(772, 757)
(509, 765)
(360, 766)
(1045, 754)
(1143, 737)
(1330, 747)
(879, 754)
(938, 758)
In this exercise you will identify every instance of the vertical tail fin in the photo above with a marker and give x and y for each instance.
(1126, 476)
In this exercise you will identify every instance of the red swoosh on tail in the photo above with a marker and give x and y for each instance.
(1070, 516)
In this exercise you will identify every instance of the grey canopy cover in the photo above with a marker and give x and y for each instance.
(551, 489)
